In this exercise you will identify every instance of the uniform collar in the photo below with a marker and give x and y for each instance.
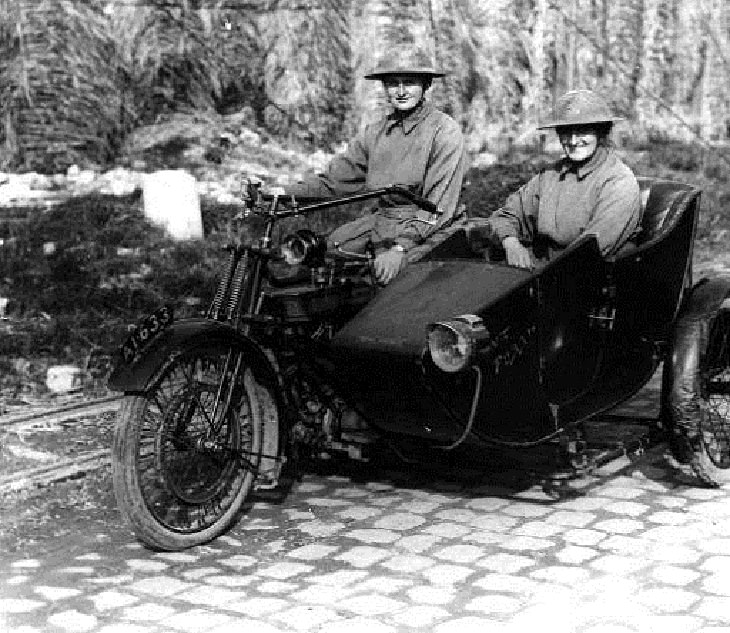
(583, 169)
(411, 119)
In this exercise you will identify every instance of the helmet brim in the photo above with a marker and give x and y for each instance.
(405, 71)
(578, 121)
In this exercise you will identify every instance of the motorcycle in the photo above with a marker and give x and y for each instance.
(301, 353)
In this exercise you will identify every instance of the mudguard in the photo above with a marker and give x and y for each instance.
(136, 376)
(682, 365)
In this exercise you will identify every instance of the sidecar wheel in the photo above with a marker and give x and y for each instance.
(181, 471)
(697, 397)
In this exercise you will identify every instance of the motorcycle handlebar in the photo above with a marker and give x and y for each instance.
(398, 190)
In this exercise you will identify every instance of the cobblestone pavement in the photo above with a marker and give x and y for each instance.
(636, 549)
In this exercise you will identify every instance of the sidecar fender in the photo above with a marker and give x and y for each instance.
(707, 297)
(144, 370)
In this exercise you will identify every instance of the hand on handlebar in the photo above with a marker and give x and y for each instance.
(517, 254)
(389, 264)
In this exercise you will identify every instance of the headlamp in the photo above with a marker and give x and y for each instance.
(303, 247)
(452, 343)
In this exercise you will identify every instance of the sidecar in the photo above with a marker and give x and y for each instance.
(460, 352)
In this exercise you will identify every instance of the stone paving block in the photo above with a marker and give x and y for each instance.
(459, 553)
(112, 600)
(618, 526)
(447, 530)
(419, 506)
(186, 557)
(55, 593)
(432, 594)
(148, 612)
(540, 529)
(570, 518)
(614, 564)
(321, 529)
(198, 621)
(371, 535)
(160, 586)
(494, 603)
(211, 596)
(420, 617)
(527, 544)
(73, 621)
(382, 584)
(399, 521)
(326, 502)
(19, 605)
(359, 513)
(408, 563)
(716, 546)
(667, 599)
(626, 508)
(284, 571)
(575, 554)
(303, 618)
(716, 609)
(356, 625)
(716, 564)
(494, 522)
(363, 556)
(507, 583)
(239, 561)
(371, 604)
(199, 572)
(666, 517)
(487, 504)
(458, 515)
(145, 565)
(312, 552)
(672, 575)
(237, 580)
(526, 510)
(276, 586)
(447, 574)
(567, 575)
(584, 536)
(338, 578)
(470, 625)
(123, 628)
(417, 542)
(258, 607)
(717, 583)
(506, 563)
(581, 504)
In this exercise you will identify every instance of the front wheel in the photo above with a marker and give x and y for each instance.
(697, 396)
(186, 451)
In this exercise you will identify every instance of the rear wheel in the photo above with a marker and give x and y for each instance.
(186, 452)
(698, 397)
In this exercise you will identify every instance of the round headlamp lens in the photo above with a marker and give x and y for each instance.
(449, 347)
(294, 250)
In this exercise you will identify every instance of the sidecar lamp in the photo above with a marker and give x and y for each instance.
(452, 343)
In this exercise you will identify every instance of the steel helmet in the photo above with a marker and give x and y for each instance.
(580, 107)
(404, 59)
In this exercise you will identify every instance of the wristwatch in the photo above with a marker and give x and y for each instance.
(399, 247)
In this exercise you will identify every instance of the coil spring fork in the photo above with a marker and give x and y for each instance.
(237, 286)
(216, 307)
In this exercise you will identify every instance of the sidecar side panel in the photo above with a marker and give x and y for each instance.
(381, 362)
(136, 376)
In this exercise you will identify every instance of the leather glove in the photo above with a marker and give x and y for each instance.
(388, 264)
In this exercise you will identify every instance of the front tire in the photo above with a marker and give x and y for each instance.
(183, 466)
(697, 396)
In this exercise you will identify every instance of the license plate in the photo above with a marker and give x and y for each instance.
(145, 331)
